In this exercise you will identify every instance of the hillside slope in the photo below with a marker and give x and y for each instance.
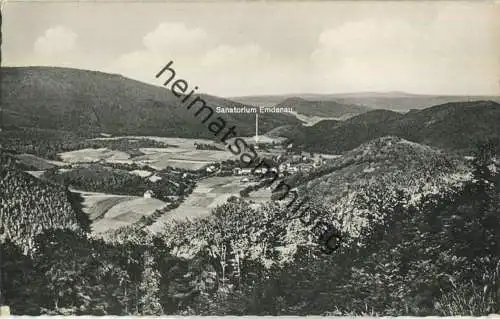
(351, 133)
(394, 101)
(375, 171)
(380, 169)
(452, 126)
(322, 108)
(88, 101)
(403, 102)
(29, 206)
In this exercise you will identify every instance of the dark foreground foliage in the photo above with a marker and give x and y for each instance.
(439, 256)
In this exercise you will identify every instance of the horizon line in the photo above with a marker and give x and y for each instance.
(286, 95)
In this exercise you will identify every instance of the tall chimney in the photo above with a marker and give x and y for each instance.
(256, 128)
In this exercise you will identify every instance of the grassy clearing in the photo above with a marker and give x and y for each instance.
(139, 206)
(111, 211)
(90, 155)
(37, 163)
(207, 194)
(102, 206)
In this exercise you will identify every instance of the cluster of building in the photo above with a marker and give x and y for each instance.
(289, 164)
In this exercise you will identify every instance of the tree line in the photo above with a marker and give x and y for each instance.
(437, 256)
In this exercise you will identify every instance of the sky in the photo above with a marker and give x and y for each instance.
(261, 47)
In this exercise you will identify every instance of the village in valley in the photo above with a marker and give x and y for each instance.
(325, 158)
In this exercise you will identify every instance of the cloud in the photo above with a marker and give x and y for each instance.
(248, 55)
(167, 42)
(388, 53)
(174, 37)
(359, 54)
(55, 40)
(217, 68)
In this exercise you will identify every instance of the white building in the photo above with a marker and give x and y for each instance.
(148, 194)
(155, 178)
(261, 170)
(246, 171)
(210, 169)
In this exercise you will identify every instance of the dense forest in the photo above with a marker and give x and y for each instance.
(101, 178)
(91, 102)
(439, 255)
(48, 143)
(29, 206)
(456, 126)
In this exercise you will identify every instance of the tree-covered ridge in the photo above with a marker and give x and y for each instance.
(438, 253)
(441, 254)
(378, 170)
(99, 178)
(322, 108)
(254, 233)
(455, 126)
(90, 102)
(29, 206)
(48, 143)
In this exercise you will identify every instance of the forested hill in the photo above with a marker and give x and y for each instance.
(429, 242)
(29, 206)
(456, 126)
(94, 102)
(377, 171)
(323, 108)
(427, 250)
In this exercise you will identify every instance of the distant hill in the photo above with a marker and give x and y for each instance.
(94, 102)
(453, 126)
(396, 101)
(403, 102)
(293, 132)
(339, 136)
(323, 108)
(262, 100)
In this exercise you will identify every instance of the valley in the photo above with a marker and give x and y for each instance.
(109, 211)
(122, 191)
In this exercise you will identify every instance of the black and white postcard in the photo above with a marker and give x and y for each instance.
(249, 158)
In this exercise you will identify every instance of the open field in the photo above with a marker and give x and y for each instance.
(103, 204)
(180, 153)
(95, 205)
(89, 155)
(189, 143)
(208, 194)
(114, 211)
(126, 213)
(182, 158)
(261, 195)
(186, 143)
(108, 211)
(141, 173)
(38, 162)
(262, 139)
